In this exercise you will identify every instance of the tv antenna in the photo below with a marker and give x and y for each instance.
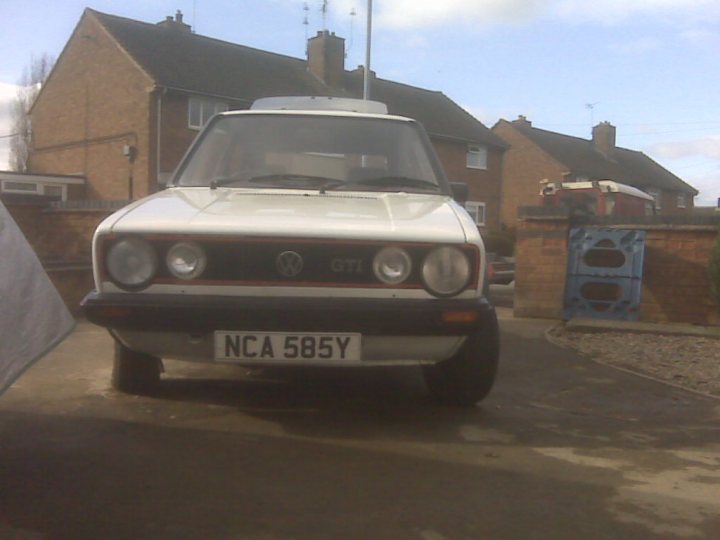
(324, 10)
(591, 108)
(353, 13)
(306, 22)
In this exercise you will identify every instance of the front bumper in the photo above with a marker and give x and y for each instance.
(394, 331)
(200, 314)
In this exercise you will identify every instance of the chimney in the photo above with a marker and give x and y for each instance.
(522, 121)
(326, 58)
(176, 23)
(603, 138)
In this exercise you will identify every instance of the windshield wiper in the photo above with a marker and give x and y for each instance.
(389, 182)
(294, 181)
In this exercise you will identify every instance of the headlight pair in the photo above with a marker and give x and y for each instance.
(445, 270)
(133, 263)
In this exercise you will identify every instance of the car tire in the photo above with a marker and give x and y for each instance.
(467, 377)
(134, 372)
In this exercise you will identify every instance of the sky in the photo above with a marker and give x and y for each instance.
(649, 67)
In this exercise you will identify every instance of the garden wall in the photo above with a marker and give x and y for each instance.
(62, 240)
(675, 282)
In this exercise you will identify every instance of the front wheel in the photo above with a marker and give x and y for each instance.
(468, 376)
(135, 372)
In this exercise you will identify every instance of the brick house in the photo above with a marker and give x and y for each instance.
(535, 154)
(126, 98)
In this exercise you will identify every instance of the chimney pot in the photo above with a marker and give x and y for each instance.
(175, 23)
(523, 121)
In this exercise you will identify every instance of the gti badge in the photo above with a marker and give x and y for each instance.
(347, 266)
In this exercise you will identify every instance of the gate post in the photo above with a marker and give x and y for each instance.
(540, 263)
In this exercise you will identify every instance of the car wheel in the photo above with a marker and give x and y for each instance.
(134, 372)
(468, 376)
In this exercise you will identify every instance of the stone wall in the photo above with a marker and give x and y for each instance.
(675, 282)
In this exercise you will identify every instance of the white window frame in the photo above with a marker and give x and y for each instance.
(682, 200)
(477, 211)
(476, 157)
(6, 187)
(38, 188)
(657, 195)
(207, 109)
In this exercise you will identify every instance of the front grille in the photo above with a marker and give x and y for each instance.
(324, 263)
(258, 262)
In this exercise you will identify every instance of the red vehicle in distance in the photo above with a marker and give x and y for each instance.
(597, 198)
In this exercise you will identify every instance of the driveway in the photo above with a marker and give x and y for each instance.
(562, 449)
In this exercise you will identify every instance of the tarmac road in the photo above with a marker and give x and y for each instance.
(562, 449)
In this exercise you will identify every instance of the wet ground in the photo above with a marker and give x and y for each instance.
(562, 449)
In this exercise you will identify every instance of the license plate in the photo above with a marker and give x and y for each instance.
(286, 347)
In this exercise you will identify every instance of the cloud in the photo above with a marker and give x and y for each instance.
(416, 14)
(614, 11)
(701, 37)
(708, 184)
(407, 14)
(708, 148)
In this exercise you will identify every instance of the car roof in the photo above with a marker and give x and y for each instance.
(311, 112)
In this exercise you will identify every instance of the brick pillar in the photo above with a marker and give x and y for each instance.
(541, 254)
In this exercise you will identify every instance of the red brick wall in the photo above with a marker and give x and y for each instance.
(540, 267)
(675, 287)
(176, 135)
(669, 207)
(676, 284)
(484, 185)
(524, 166)
(95, 102)
(27, 218)
(63, 241)
(67, 234)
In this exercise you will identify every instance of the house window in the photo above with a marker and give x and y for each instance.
(200, 110)
(19, 187)
(682, 200)
(476, 211)
(476, 157)
(34, 188)
(656, 194)
(54, 191)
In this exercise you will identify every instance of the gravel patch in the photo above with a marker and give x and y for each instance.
(686, 361)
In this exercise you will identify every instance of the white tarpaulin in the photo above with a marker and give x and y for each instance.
(33, 317)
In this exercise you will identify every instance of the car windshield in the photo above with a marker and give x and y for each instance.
(312, 152)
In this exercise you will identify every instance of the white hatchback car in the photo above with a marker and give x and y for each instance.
(300, 232)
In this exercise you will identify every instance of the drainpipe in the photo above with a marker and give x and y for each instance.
(158, 105)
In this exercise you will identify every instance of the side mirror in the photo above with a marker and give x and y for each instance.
(460, 191)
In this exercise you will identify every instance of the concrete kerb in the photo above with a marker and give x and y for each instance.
(668, 329)
(673, 329)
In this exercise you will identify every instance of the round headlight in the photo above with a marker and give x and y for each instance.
(446, 271)
(186, 260)
(392, 265)
(132, 262)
